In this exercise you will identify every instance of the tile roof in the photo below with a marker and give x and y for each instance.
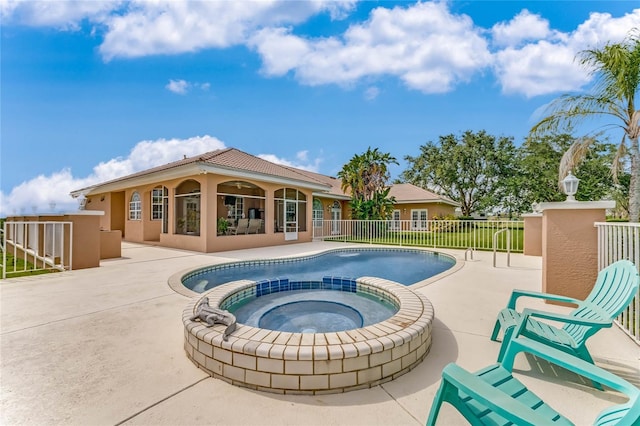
(231, 159)
(334, 183)
(235, 160)
(406, 192)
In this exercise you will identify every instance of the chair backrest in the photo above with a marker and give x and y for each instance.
(254, 226)
(243, 226)
(625, 414)
(621, 415)
(615, 288)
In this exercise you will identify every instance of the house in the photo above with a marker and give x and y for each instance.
(228, 199)
(419, 205)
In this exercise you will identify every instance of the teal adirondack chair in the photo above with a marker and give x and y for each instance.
(615, 288)
(492, 396)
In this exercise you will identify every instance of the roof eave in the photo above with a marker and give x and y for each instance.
(332, 196)
(439, 200)
(147, 179)
(190, 170)
(237, 173)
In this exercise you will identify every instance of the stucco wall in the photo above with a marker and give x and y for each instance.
(433, 209)
(532, 234)
(569, 250)
(101, 202)
(84, 244)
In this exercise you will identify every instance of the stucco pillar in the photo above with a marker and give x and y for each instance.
(532, 234)
(570, 246)
(86, 238)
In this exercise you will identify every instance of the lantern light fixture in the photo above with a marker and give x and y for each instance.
(570, 185)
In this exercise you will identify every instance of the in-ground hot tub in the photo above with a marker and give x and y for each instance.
(311, 362)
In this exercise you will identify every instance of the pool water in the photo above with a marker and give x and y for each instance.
(404, 266)
(313, 311)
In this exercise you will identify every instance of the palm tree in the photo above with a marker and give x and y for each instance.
(616, 68)
(366, 176)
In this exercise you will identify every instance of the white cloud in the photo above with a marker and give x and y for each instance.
(371, 93)
(38, 193)
(424, 45)
(302, 161)
(181, 87)
(178, 86)
(539, 68)
(170, 27)
(67, 14)
(524, 26)
(548, 65)
(140, 27)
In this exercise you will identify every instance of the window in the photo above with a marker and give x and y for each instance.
(395, 220)
(135, 207)
(318, 213)
(290, 206)
(157, 204)
(236, 210)
(419, 218)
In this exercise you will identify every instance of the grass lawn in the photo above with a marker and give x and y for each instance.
(17, 267)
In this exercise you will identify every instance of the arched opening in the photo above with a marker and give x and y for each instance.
(241, 208)
(187, 208)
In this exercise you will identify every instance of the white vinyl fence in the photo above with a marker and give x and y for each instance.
(501, 235)
(36, 245)
(618, 241)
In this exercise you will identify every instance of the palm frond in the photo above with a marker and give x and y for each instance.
(572, 157)
(567, 111)
(618, 160)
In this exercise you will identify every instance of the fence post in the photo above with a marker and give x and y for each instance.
(570, 246)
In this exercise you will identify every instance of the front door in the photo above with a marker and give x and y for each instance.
(290, 220)
(336, 217)
(419, 220)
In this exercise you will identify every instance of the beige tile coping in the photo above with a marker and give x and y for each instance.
(310, 363)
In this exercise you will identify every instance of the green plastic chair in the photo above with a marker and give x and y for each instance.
(492, 396)
(615, 288)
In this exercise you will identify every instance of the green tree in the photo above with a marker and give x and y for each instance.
(366, 176)
(538, 163)
(472, 169)
(620, 195)
(616, 68)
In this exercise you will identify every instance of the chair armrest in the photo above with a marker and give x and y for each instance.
(528, 312)
(515, 294)
(565, 360)
(494, 399)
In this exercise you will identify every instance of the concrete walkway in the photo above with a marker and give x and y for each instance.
(103, 346)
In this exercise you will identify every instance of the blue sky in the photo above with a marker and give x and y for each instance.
(93, 90)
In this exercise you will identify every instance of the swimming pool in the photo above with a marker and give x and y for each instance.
(404, 266)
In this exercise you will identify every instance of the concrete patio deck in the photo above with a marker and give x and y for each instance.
(104, 346)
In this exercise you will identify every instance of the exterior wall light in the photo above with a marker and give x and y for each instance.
(82, 202)
(570, 185)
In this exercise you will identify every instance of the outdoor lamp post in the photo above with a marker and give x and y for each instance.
(570, 185)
